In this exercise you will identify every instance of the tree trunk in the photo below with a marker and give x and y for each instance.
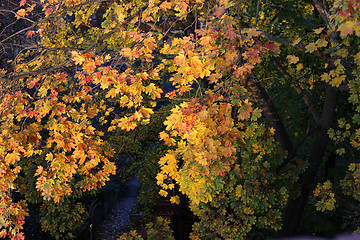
(270, 112)
(295, 207)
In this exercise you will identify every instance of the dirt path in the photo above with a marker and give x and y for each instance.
(116, 222)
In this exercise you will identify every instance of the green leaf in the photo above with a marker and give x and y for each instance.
(311, 47)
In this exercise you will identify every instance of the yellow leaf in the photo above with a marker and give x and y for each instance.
(164, 136)
(325, 77)
(77, 58)
(39, 170)
(299, 67)
(119, 10)
(338, 80)
(150, 43)
(321, 43)
(113, 92)
(12, 158)
(175, 200)
(163, 193)
(167, 159)
(180, 59)
(146, 112)
(296, 42)
(195, 61)
(166, 49)
(347, 28)
(311, 47)
(292, 59)
(318, 30)
(252, 32)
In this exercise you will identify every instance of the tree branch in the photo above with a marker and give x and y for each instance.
(270, 112)
(322, 10)
(347, 204)
(292, 154)
(281, 40)
(299, 90)
(257, 13)
(295, 207)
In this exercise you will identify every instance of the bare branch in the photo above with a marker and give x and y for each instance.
(18, 32)
(270, 112)
(347, 204)
(292, 154)
(17, 15)
(257, 13)
(308, 103)
(323, 11)
(299, 90)
(281, 40)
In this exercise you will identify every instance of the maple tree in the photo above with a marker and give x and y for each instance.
(265, 95)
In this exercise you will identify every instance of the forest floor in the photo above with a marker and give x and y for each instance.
(117, 220)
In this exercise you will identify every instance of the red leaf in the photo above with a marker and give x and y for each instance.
(48, 11)
(271, 46)
(32, 83)
(22, 2)
(30, 33)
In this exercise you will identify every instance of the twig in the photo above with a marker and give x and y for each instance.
(257, 13)
(212, 235)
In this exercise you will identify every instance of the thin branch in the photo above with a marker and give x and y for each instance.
(292, 154)
(17, 15)
(12, 76)
(167, 32)
(347, 204)
(257, 13)
(238, 16)
(281, 40)
(126, 21)
(272, 37)
(270, 112)
(18, 32)
(308, 103)
(299, 90)
(212, 235)
(323, 11)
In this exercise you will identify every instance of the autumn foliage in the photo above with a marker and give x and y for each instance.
(262, 93)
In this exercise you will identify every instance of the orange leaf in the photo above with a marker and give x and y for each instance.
(12, 158)
(126, 52)
(165, 6)
(245, 110)
(205, 40)
(346, 28)
(150, 43)
(89, 67)
(219, 11)
(21, 13)
(180, 59)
